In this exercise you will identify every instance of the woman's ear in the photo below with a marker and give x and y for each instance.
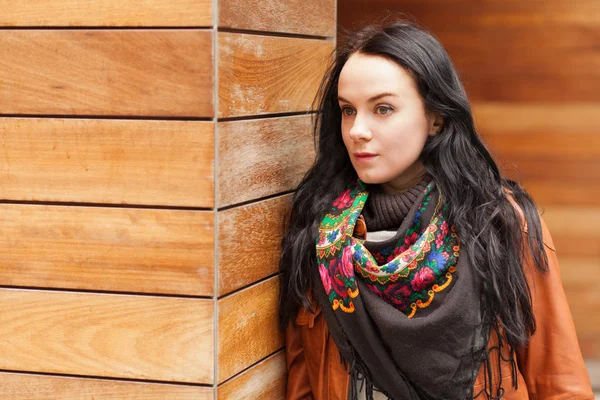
(436, 123)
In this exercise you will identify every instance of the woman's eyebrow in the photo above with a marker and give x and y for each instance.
(372, 99)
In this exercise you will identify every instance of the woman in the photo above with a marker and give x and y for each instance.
(454, 293)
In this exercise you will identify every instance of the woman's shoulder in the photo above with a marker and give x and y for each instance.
(546, 237)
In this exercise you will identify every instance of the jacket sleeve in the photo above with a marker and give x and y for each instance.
(552, 364)
(298, 386)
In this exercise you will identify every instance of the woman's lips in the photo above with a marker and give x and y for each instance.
(364, 156)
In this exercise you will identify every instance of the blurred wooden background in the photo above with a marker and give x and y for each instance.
(149, 153)
(532, 73)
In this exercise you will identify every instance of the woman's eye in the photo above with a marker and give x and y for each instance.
(383, 110)
(347, 111)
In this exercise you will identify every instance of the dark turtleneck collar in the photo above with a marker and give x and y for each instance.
(387, 211)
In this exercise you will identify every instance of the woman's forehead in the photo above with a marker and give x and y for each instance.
(365, 76)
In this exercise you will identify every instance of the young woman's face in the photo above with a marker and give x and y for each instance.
(384, 123)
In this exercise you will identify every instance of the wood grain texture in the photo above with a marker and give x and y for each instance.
(510, 50)
(574, 240)
(262, 157)
(265, 74)
(265, 381)
(248, 327)
(157, 338)
(553, 149)
(107, 161)
(120, 249)
(308, 17)
(511, 118)
(15, 386)
(107, 72)
(106, 13)
(250, 242)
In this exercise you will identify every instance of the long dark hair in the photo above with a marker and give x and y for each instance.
(457, 159)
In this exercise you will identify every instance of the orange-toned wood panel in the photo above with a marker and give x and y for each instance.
(265, 381)
(250, 242)
(165, 73)
(507, 13)
(509, 50)
(248, 327)
(141, 337)
(107, 161)
(262, 157)
(106, 13)
(15, 386)
(266, 74)
(120, 249)
(309, 17)
(553, 149)
(574, 240)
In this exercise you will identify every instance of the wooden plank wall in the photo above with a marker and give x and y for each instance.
(271, 58)
(531, 72)
(107, 273)
(150, 149)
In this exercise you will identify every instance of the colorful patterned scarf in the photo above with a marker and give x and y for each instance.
(372, 303)
(415, 269)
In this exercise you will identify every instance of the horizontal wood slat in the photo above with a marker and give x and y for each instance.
(488, 75)
(262, 157)
(120, 249)
(107, 161)
(508, 118)
(473, 15)
(248, 327)
(564, 193)
(553, 149)
(308, 17)
(107, 72)
(157, 338)
(265, 381)
(15, 386)
(250, 242)
(265, 74)
(106, 13)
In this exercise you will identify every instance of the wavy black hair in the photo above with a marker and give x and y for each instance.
(472, 185)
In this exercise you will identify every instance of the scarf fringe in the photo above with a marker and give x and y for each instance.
(488, 387)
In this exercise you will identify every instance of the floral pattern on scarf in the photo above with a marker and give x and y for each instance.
(406, 275)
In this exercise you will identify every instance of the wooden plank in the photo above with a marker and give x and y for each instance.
(16, 386)
(141, 337)
(274, 160)
(107, 161)
(248, 327)
(250, 242)
(308, 17)
(107, 72)
(265, 74)
(566, 119)
(507, 13)
(564, 193)
(265, 381)
(95, 248)
(574, 240)
(106, 13)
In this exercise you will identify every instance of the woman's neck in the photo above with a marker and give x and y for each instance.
(409, 178)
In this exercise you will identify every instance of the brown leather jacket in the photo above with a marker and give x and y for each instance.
(550, 367)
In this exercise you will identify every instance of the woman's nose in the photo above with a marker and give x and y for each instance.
(360, 130)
